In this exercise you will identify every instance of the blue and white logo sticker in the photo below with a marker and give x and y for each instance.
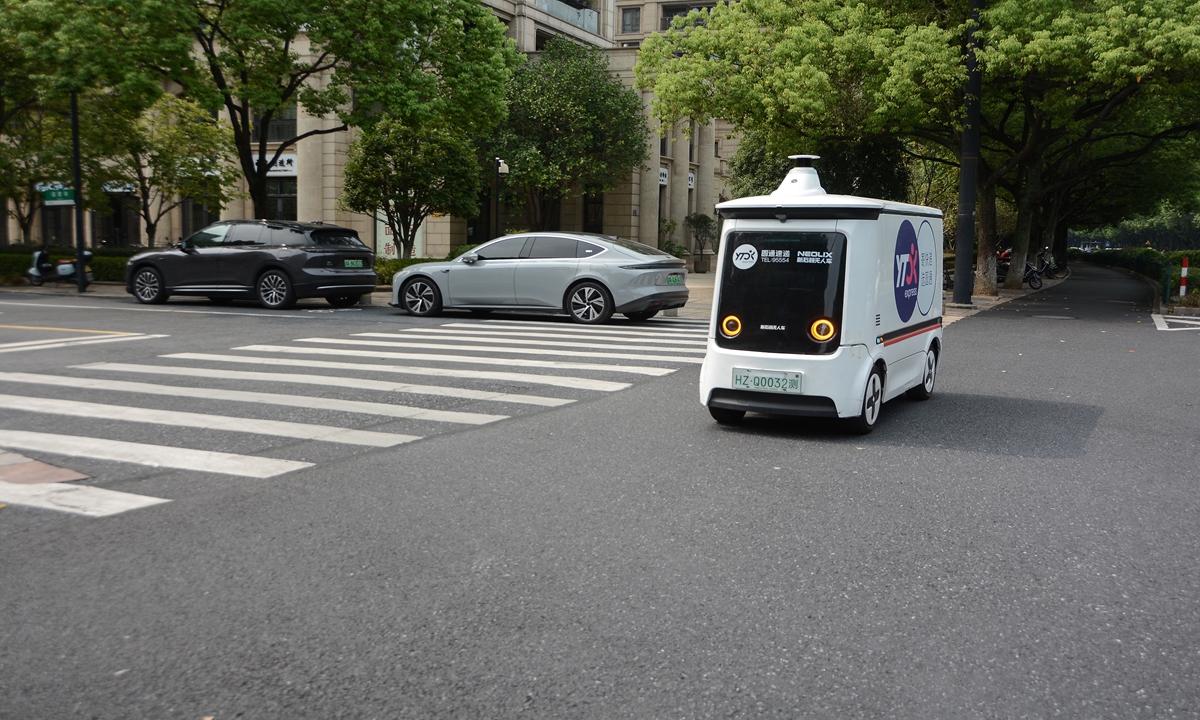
(907, 271)
(745, 257)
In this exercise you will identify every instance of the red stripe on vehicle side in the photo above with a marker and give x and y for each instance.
(911, 334)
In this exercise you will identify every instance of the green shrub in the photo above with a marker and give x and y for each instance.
(65, 250)
(12, 268)
(460, 250)
(385, 269)
(1147, 262)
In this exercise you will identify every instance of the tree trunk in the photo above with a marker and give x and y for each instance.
(1060, 240)
(1027, 201)
(985, 262)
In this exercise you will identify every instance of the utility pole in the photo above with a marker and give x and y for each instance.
(964, 247)
(80, 267)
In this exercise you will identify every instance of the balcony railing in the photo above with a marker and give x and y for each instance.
(587, 19)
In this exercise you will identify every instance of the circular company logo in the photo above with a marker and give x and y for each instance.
(926, 248)
(906, 272)
(745, 256)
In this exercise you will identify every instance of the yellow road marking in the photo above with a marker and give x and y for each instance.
(93, 332)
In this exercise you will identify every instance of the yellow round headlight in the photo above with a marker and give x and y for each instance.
(731, 326)
(822, 330)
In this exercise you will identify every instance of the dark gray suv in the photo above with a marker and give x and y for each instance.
(274, 262)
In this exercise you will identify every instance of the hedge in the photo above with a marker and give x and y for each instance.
(13, 267)
(65, 250)
(1144, 261)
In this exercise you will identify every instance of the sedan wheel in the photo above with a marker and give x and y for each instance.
(275, 291)
(148, 287)
(421, 297)
(589, 303)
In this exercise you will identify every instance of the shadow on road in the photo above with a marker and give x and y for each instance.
(956, 421)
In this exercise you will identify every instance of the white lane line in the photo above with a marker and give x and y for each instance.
(74, 499)
(175, 418)
(356, 383)
(300, 401)
(499, 349)
(60, 306)
(475, 330)
(468, 359)
(606, 330)
(1160, 322)
(575, 383)
(163, 456)
(456, 336)
(82, 341)
(30, 343)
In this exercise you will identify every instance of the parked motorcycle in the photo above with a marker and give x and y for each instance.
(43, 270)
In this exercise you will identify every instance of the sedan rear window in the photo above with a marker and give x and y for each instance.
(636, 247)
(337, 238)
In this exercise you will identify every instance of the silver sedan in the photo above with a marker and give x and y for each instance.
(584, 275)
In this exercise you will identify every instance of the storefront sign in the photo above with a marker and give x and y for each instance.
(691, 181)
(285, 166)
(662, 176)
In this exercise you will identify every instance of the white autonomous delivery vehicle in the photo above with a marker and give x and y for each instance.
(824, 305)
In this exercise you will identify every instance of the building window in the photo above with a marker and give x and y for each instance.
(56, 225)
(281, 198)
(121, 227)
(281, 128)
(593, 213)
(716, 148)
(631, 44)
(197, 215)
(662, 146)
(631, 20)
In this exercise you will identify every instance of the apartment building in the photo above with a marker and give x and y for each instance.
(686, 173)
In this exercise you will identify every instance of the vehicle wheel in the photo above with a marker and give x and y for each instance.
(148, 287)
(36, 280)
(1035, 282)
(641, 316)
(871, 405)
(343, 301)
(218, 300)
(275, 290)
(925, 389)
(726, 416)
(421, 297)
(589, 303)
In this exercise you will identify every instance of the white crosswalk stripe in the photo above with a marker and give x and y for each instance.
(458, 361)
(177, 418)
(468, 359)
(300, 401)
(503, 349)
(576, 383)
(324, 381)
(73, 342)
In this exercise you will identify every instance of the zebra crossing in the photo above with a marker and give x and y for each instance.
(306, 398)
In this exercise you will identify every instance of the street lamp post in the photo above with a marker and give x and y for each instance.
(501, 169)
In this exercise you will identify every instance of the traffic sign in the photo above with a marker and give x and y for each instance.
(58, 196)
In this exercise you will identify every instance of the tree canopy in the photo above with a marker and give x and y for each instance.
(1070, 88)
(572, 127)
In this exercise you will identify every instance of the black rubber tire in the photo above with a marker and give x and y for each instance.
(725, 416)
(36, 280)
(218, 300)
(148, 286)
(1035, 281)
(275, 291)
(589, 303)
(641, 316)
(924, 391)
(871, 405)
(420, 297)
(344, 301)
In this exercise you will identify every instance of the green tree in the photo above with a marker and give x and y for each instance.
(410, 173)
(173, 151)
(572, 128)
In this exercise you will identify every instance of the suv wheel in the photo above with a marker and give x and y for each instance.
(148, 286)
(275, 290)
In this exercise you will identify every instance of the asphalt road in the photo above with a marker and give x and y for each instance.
(1025, 544)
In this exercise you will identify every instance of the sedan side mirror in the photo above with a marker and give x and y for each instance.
(470, 258)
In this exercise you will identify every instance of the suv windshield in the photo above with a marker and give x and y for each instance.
(342, 238)
(777, 284)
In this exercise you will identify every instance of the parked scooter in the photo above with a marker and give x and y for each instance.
(43, 270)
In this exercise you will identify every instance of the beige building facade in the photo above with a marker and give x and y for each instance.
(686, 172)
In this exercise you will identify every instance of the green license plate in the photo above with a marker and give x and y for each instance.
(674, 279)
(767, 381)
(353, 263)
